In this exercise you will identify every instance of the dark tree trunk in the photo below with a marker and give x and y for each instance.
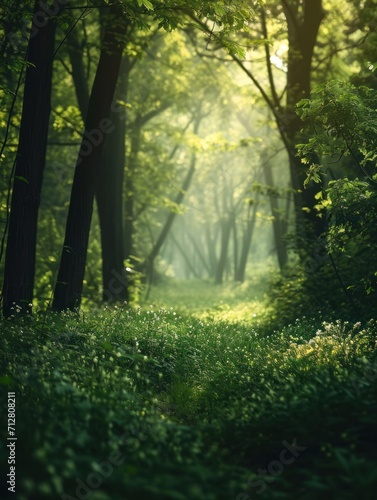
(75, 53)
(109, 188)
(129, 201)
(109, 196)
(135, 140)
(68, 288)
(302, 36)
(303, 20)
(30, 163)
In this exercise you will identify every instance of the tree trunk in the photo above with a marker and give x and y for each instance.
(302, 36)
(109, 196)
(246, 242)
(303, 22)
(277, 223)
(109, 188)
(129, 202)
(198, 250)
(30, 163)
(170, 218)
(68, 288)
(235, 250)
(190, 269)
(78, 73)
(226, 227)
(211, 248)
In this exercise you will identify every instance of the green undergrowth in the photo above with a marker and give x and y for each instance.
(152, 404)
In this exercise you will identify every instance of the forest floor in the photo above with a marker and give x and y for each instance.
(195, 395)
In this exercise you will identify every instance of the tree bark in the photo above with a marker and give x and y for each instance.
(30, 163)
(110, 202)
(109, 196)
(129, 201)
(302, 36)
(69, 285)
(75, 53)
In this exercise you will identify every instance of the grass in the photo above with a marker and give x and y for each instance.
(232, 302)
(152, 403)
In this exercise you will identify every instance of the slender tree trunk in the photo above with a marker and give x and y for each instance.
(109, 196)
(226, 227)
(246, 242)
(277, 223)
(171, 216)
(68, 288)
(129, 202)
(211, 242)
(30, 163)
(135, 140)
(235, 249)
(199, 252)
(167, 226)
(190, 269)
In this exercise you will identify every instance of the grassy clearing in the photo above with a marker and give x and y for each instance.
(153, 404)
(234, 303)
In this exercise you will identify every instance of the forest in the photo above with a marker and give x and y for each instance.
(188, 252)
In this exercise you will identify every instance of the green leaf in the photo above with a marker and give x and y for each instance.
(145, 3)
(21, 178)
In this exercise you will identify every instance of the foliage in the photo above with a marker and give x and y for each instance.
(201, 405)
(341, 121)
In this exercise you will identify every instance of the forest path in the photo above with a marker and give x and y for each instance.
(231, 302)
